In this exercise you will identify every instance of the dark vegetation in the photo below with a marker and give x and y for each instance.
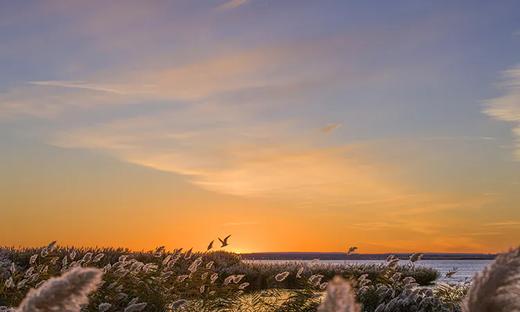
(220, 281)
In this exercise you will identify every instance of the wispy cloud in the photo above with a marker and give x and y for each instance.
(504, 224)
(215, 152)
(77, 85)
(507, 106)
(330, 127)
(265, 166)
(232, 4)
(460, 138)
(243, 223)
(201, 80)
(483, 233)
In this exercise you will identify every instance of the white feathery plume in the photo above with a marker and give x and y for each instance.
(339, 298)
(65, 293)
(299, 273)
(136, 307)
(98, 257)
(9, 283)
(315, 279)
(228, 279)
(182, 278)
(213, 277)
(497, 287)
(103, 307)
(166, 259)
(237, 278)
(280, 277)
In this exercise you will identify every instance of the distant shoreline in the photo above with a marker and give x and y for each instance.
(343, 256)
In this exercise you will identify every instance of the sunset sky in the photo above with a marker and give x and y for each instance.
(292, 125)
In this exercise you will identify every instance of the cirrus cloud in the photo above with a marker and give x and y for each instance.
(232, 4)
(507, 106)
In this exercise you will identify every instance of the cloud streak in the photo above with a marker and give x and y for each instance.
(77, 85)
(262, 166)
(511, 223)
(244, 223)
(507, 107)
(255, 71)
(232, 4)
(330, 127)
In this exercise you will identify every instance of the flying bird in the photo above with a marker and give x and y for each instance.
(224, 241)
(210, 245)
(351, 250)
(451, 272)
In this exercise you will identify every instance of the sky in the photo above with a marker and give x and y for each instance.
(393, 126)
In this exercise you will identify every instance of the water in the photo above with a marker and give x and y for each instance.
(466, 269)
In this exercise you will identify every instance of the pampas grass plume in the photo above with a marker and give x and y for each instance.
(136, 307)
(497, 287)
(339, 298)
(66, 293)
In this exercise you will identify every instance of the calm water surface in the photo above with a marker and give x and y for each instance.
(466, 269)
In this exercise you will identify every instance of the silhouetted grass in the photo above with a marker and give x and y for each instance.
(163, 280)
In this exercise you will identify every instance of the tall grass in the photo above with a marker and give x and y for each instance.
(178, 280)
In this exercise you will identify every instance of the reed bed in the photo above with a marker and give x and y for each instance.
(76, 279)
(262, 275)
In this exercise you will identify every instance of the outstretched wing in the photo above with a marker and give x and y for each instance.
(227, 237)
(351, 250)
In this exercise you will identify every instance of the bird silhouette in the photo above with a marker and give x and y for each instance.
(351, 250)
(224, 241)
(451, 272)
(210, 245)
